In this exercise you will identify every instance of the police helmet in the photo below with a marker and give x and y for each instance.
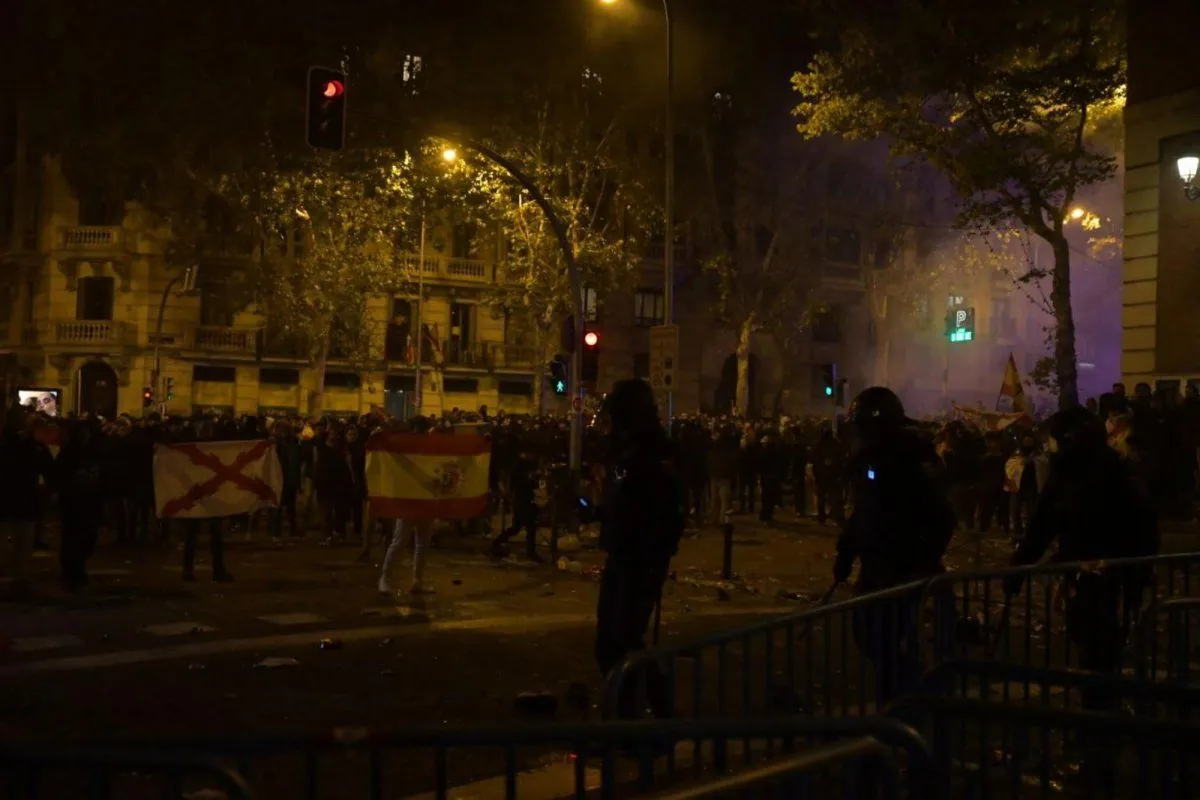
(875, 406)
(1075, 430)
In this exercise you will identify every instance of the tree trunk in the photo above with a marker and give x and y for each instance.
(316, 399)
(741, 400)
(1064, 328)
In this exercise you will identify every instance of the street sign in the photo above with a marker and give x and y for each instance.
(664, 357)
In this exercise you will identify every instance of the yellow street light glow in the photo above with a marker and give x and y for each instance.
(1077, 212)
(608, 2)
(450, 154)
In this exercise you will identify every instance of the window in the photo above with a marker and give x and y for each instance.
(411, 69)
(828, 326)
(216, 306)
(94, 299)
(516, 388)
(641, 365)
(843, 246)
(205, 372)
(279, 376)
(649, 307)
(462, 240)
(1004, 324)
(460, 385)
(342, 380)
(400, 383)
(99, 207)
(398, 344)
(591, 309)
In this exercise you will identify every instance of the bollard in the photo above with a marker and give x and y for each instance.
(727, 555)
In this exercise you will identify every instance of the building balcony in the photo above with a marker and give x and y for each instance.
(511, 356)
(446, 268)
(225, 340)
(471, 355)
(94, 333)
(97, 239)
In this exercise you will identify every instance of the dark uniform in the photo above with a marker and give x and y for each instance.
(1093, 506)
(523, 483)
(641, 522)
(899, 532)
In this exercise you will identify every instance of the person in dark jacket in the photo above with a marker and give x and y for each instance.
(334, 484)
(287, 447)
(899, 531)
(23, 462)
(523, 484)
(829, 463)
(641, 521)
(1095, 509)
(77, 476)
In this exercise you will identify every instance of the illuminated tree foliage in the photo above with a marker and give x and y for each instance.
(1001, 99)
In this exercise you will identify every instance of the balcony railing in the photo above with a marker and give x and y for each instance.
(465, 354)
(91, 332)
(437, 267)
(90, 237)
(513, 356)
(222, 339)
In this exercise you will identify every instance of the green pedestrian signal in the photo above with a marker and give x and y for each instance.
(560, 387)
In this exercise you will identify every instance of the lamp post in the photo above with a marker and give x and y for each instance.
(669, 178)
(575, 384)
(188, 281)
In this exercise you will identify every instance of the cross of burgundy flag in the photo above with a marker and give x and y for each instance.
(215, 479)
(428, 476)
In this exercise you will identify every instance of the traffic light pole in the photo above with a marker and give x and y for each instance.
(189, 281)
(420, 319)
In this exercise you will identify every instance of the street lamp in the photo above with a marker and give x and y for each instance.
(1188, 167)
(573, 278)
(669, 183)
(1077, 212)
(449, 155)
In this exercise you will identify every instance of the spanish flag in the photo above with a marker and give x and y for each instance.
(1012, 387)
(427, 476)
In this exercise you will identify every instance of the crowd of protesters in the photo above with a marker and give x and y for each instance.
(102, 476)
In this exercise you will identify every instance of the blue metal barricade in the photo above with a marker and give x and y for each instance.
(812, 662)
(60, 771)
(1062, 615)
(1004, 750)
(607, 759)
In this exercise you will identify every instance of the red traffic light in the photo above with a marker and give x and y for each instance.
(333, 89)
(591, 339)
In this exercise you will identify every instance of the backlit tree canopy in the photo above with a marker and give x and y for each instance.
(1001, 98)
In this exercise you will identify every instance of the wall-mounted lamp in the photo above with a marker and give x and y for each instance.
(1188, 166)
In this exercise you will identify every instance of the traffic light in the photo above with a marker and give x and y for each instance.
(559, 374)
(147, 396)
(170, 388)
(326, 108)
(960, 324)
(827, 379)
(591, 357)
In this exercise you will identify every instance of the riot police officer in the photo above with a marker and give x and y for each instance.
(1093, 505)
(898, 532)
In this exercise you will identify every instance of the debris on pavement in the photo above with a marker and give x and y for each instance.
(329, 644)
(271, 663)
(195, 666)
(547, 590)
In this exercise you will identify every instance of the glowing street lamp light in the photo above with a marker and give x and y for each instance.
(449, 155)
(1077, 212)
(1188, 166)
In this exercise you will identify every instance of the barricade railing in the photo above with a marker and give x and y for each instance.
(56, 771)
(808, 662)
(1030, 627)
(1001, 750)
(606, 758)
(1067, 689)
(1168, 648)
(865, 767)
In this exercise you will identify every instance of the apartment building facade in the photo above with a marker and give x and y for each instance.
(83, 284)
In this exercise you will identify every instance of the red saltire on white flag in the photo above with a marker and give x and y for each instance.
(199, 480)
(428, 476)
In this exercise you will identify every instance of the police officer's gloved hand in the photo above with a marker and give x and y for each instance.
(1013, 584)
(842, 567)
